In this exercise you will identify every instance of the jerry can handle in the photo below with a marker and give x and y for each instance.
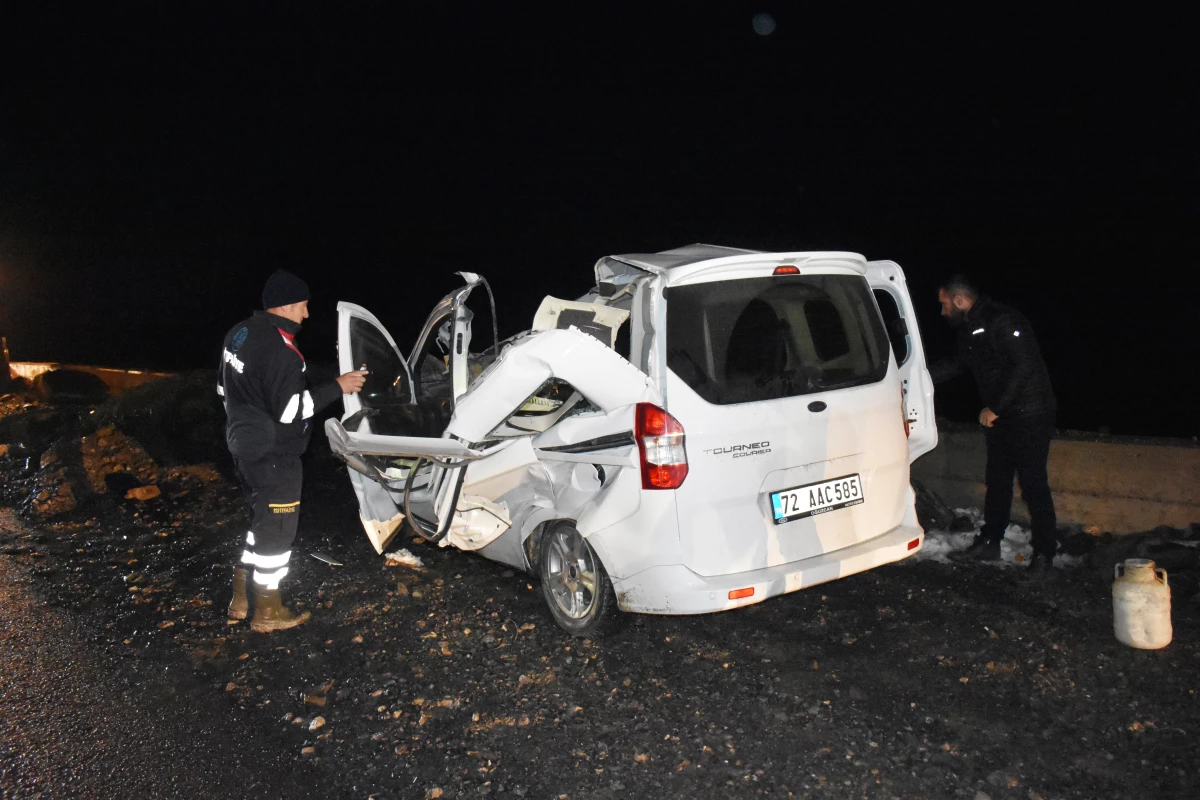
(1118, 569)
(1162, 573)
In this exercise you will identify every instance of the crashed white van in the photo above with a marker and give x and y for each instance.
(705, 428)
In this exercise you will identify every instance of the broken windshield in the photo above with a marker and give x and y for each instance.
(738, 341)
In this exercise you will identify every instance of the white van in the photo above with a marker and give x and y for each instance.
(707, 427)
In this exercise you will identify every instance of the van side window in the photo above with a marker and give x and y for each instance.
(893, 322)
(387, 382)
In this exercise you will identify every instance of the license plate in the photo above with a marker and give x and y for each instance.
(816, 498)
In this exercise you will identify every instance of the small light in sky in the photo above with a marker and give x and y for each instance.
(764, 24)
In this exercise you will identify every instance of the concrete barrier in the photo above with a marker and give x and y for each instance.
(1122, 484)
(117, 380)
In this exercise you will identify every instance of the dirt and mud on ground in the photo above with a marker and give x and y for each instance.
(922, 679)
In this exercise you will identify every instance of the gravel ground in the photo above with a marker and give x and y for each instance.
(922, 679)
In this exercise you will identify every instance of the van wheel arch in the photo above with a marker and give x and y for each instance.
(599, 615)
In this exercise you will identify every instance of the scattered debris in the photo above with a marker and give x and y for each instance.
(494, 681)
(403, 558)
(325, 557)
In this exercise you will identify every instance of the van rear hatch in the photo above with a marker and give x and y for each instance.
(792, 412)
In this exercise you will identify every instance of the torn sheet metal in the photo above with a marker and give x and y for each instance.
(477, 522)
(381, 532)
(601, 321)
(605, 378)
(342, 442)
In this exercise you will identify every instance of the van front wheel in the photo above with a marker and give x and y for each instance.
(575, 585)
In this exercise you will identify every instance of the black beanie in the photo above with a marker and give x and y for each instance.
(282, 289)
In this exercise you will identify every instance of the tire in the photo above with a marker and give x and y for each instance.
(581, 607)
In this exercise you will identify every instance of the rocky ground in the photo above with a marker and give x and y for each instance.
(922, 679)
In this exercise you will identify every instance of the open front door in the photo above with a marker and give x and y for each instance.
(364, 342)
(395, 476)
(899, 316)
(384, 406)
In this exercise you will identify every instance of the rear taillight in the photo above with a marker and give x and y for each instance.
(904, 412)
(660, 443)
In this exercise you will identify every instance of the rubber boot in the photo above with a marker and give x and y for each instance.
(1041, 566)
(239, 606)
(981, 549)
(271, 615)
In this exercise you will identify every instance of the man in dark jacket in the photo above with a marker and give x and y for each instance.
(996, 343)
(269, 408)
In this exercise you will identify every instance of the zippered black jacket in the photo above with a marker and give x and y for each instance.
(269, 405)
(996, 343)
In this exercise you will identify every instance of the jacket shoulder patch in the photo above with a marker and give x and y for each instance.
(239, 338)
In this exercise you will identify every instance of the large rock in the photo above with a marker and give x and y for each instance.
(108, 451)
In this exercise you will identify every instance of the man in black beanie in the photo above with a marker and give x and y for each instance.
(269, 408)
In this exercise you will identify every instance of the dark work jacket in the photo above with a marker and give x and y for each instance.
(996, 343)
(269, 406)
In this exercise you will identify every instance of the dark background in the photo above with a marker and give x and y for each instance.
(157, 162)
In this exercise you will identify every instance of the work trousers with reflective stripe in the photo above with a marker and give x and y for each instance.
(1020, 446)
(272, 488)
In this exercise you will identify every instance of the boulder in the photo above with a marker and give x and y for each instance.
(109, 451)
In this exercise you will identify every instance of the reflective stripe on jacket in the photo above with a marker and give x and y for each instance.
(269, 405)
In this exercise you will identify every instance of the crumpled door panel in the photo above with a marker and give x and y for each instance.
(512, 487)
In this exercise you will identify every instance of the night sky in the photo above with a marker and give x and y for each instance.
(157, 162)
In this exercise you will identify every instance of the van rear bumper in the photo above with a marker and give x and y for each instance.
(675, 589)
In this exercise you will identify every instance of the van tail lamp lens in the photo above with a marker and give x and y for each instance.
(787, 269)
(904, 413)
(914, 544)
(738, 594)
(660, 444)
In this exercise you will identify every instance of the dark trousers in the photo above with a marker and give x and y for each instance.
(272, 488)
(1020, 446)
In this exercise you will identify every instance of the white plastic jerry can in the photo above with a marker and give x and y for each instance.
(1141, 604)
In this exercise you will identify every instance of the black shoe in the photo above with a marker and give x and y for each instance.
(1041, 566)
(980, 550)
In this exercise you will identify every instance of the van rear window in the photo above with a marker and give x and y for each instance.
(749, 339)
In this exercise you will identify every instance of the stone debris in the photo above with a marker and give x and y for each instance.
(52, 495)
(143, 493)
(459, 671)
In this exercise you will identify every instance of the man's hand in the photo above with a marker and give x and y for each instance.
(987, 418)
(352, 382)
